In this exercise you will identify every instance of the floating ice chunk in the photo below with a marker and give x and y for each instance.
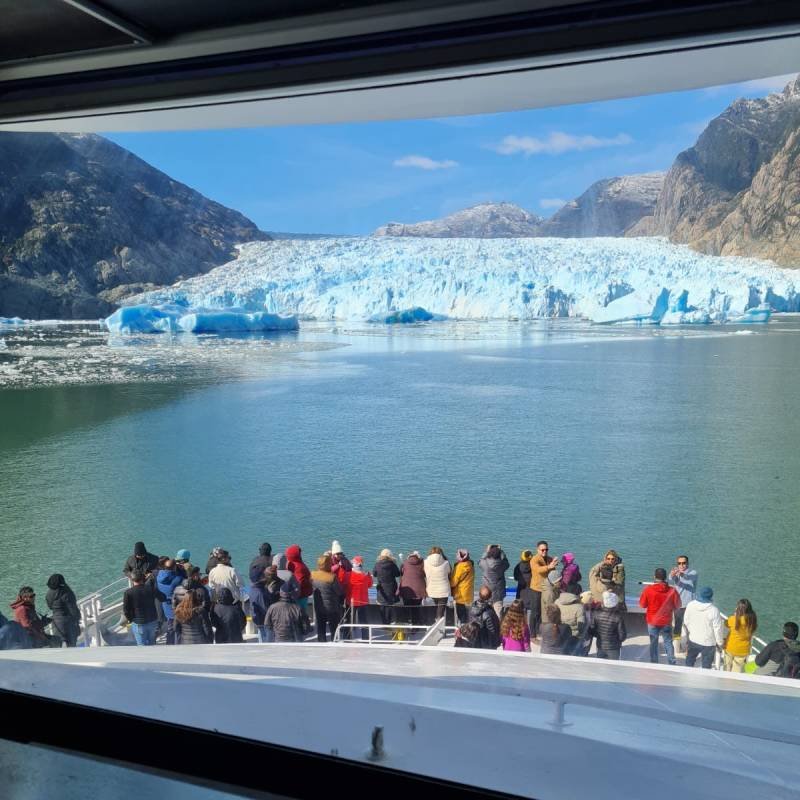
(235, 322)
(760, 314)
(696, 317)
(11, 321)
(633, 307)
(408, 315)
(144, 319)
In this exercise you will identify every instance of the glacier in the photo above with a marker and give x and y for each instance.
(643, 280)
(172, 318)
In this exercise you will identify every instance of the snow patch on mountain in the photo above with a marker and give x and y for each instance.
(364, 278)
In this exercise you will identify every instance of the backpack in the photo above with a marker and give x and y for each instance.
(790, 666)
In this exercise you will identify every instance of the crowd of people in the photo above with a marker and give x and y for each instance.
(174, 598)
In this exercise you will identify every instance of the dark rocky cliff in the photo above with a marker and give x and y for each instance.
(83, 222)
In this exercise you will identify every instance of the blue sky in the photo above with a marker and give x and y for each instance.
(352, 178)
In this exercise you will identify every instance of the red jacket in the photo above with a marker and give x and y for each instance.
(25, 614)
(660, 601)
(302, 574)
(359, 586)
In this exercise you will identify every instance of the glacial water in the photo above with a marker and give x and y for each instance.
(651, 441)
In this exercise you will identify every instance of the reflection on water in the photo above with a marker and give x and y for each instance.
(653, 442)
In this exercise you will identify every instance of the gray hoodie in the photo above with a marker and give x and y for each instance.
(572, 613)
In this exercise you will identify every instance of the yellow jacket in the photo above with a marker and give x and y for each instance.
(462, 582)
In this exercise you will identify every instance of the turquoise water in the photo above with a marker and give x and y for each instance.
(653, 442)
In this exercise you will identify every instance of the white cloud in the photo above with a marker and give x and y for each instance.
(766, 85)
(552, 202)
(556, 143)
(423, 162)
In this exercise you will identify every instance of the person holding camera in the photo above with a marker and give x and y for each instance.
(542, 565)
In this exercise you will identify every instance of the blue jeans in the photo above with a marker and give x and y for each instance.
(706, 653)
(665, 631)
(145, 633)
(265, 636)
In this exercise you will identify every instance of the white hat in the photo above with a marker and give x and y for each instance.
(610, 600)
(336, 548)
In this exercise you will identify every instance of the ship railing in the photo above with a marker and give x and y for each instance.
(399, 631)
(99, 609)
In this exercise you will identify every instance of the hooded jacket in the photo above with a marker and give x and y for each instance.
(522, 575)
(570, 580)
(328, 593)
(659, 601)
(166, 583)
(228, 619)
(616, 584)
(437, 576)
(66, 616)
(462, 581)
(494, 575)
(412, 579)
(141, 560)
(572, 613)
(302, 574)
(704, 624)
(386, 573)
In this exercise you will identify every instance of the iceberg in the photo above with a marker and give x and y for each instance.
(409, 316)
(627, 280)
(11, 321)
(144, 318)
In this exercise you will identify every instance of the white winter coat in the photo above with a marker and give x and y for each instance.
(224, 576)
(437, 576)
(704, 624)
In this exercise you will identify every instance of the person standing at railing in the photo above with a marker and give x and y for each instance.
(660, 601)
(412, 585)
(608, 575)
(284, 618)
(228, 619)
(437, 579)
(704, 628)
(684, 580)
(328, 598)
(31, 620)
(167, 581)
(145, 562)
(386, 573)
(494, 565)
(61, 601)
(139, 609)
(341, 567)
(522, 575)
(742, 624)
(360, 583)
(542, 564)
(225, 575)
(462, 584)
(302, 574)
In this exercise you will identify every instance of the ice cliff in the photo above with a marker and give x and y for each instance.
(365, 278)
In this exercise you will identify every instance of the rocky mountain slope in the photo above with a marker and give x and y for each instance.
(485, 221)
(84, 222)
(737, 191)
(607, 208)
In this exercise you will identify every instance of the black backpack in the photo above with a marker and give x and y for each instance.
(790, 666)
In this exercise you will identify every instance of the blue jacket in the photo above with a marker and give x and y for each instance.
(167, 582)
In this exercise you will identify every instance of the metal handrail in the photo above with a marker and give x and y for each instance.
(372, 626)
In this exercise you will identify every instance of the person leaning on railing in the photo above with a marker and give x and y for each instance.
(772, 659)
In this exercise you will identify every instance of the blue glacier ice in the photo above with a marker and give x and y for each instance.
(408, 316)
(634, 280)
(146, 318)
(11, 321)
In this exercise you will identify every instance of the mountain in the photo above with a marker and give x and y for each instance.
(484, 221)
(607, 208)
(362, 278)
(737, 190)
(84, 222)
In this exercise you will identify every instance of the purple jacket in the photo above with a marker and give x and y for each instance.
(570, 577)
(520, 646)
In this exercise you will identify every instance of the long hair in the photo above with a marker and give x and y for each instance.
(186, 607)
(513, 624)
(744, 611)
(553, 615)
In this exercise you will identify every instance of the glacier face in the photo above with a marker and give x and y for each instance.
(363, 278)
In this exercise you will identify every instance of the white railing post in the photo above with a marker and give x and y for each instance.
(96, 606)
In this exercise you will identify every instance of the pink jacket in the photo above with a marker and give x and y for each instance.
(520, 646)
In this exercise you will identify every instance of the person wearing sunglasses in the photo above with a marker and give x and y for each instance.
(685, 581)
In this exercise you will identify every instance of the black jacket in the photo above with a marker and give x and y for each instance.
(328, 594)
(609, 628)
(386, 573)
(489, 635)
(197, 631)
(66, 616)
(558, 641)
(228, 620)
(147, 564)
(139, 604)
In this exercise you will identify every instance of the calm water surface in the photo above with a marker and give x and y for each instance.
(653, 442)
